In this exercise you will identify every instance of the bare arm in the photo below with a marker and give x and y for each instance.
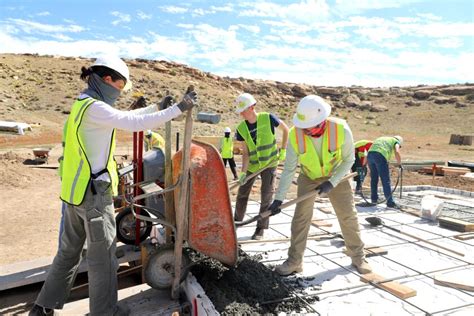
(397, 154)
(245, 157)
(284, 129)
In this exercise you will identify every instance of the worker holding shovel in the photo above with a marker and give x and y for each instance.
(324, 148)
(89, 182)
(260, 152)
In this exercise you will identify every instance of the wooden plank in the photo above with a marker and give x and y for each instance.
(465, 236)
(140, 299)
(397, 289)
(371, 251)
(34, 271)
(321, 223)
(458, 282)
(455, 224)
(326, 209)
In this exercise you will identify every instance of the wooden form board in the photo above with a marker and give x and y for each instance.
(458, 282)
(445, 171)
(326, 209)
(465, 236)
(29, 272)
(321, 223)
(372, 251)
(397, 289)
(455, 224)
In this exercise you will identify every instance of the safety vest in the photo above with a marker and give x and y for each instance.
(312, 165)
(227, 150)
(76, 173)
(264, 152)
(154, 141)
(385, 146)
(362, 148)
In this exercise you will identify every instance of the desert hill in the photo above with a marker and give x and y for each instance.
(39, 90)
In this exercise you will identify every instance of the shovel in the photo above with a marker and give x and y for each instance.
(377, 221)
(288, 204)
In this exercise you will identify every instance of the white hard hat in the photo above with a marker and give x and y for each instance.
(244, 101)
(148, 132)
(311, 111)
(400, 139)
(117, 64)
(227, 130)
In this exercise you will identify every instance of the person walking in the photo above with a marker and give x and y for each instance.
(382, 150)
(89, 182)
(260, 152)
(324, 148)
(361, 149)
(153, 140)
(227, 151)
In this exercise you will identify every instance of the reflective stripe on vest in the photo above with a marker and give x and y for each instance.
(264, 152)
(227, 149)
(385, 146)
(312, 165)
(76, 173)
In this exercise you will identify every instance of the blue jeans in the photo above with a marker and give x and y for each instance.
(378, 166)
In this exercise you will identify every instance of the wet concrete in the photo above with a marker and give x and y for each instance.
(249, 288)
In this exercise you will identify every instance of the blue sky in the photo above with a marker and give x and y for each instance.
(320, 42)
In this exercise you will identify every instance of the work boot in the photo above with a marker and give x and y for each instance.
(40, 311)
(393, 205)
(362, 266)
(258, 234)
(287, 268)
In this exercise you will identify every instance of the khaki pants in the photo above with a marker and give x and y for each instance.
(266, 194)
(342, 200)
(93, 221)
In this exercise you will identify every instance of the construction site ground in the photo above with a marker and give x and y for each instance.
(30, 215)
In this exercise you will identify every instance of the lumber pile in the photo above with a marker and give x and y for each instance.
(455, 224)
(444, 170)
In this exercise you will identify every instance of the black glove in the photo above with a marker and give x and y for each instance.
(138, 103)
(324, 187)
(166, 102)
(188, 101)
(275, 207)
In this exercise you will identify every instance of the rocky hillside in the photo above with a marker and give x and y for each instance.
(41, 89)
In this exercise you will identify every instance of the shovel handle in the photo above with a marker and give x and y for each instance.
(305, 196)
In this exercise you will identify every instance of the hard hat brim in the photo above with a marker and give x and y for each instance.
(307, 124)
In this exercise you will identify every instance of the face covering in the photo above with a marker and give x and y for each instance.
(100, 90)
(316, 131)
(227, 135)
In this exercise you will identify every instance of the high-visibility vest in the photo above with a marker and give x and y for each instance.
(312, 165)
(154, 141)
(362, 148)
(263, 152)
(385, 146)
(76, 173)
(227, 149)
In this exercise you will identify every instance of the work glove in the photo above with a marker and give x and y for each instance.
(189, 100)
(166, 102)
(275, 207)
(242, 177)
(400, 166)
(324, 187)
(138, 103)
(282, 155)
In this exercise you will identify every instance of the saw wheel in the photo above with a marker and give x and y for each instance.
(159, 269)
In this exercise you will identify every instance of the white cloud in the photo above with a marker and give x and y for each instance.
(429, 16)
(228, 7)
(121, 18)
(350, 7)
(44, 13)
(35, 27)
(143, 16)
(174, 9)
(250, 28)
(447, 43)
(306, 10)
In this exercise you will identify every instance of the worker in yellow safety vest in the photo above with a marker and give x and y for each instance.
(324, 148)
(89, 182)
(260, 152)
(382, 150)
(227, 151)
(361, 149)
(153, 140)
